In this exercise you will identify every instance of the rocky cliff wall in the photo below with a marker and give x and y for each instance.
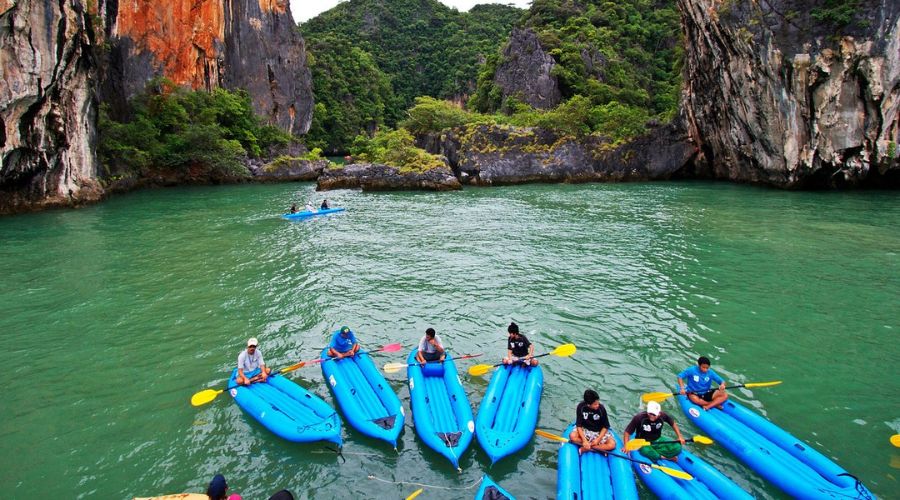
(525, 71)
(48, 108)
(794, 93)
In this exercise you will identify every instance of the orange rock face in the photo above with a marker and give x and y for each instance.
(183, 35)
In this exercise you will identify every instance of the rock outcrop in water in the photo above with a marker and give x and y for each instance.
(59, 60)
(379, 177)
(792, 93)
(494, 155)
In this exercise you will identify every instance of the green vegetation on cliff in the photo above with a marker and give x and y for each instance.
(374, 57)
(395, 148)
(177, 130)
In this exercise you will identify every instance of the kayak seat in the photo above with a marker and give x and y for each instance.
(385, 422)
(433, 369)
(492, 493)
(451, 438)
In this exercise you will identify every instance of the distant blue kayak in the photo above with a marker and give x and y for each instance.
(368, 401)
(708, 482)
(288, 410)
(792, 465)
(509, 410)
(305, 214)
(492, 491)
(441, 411)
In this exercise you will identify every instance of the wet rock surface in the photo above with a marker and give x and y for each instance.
(380, 177)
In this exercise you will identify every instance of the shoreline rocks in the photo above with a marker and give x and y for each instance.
(380, 177)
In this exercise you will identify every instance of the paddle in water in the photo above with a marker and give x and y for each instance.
(667, 470)
(396, 367)
(208, 395)
(895, 440)
(662, 396)
(562, 351)
(636, 444)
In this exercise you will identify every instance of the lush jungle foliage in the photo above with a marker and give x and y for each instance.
(174, 128)
(395, 148)
(372, 58)
(621, 56)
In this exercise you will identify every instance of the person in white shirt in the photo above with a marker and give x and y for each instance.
(430, 347)
(249, 360)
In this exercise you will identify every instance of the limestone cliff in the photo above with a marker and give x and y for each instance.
(525, 71)
(794, 93)
(250, 44)
(47, 105)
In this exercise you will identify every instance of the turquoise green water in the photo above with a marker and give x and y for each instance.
(112, 316)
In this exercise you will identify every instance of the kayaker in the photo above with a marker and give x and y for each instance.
(592, 425)
(343, 344)
(309, 207)
(430, 347)
(325, 204)
(249, 360)
(217, 489)
(648, 425)
(519, 349)
(699, 379)
(294, 208)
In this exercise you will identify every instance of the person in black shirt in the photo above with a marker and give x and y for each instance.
(324, 204)
(592, 425)
(648, 425)
(519, 349)
(294, 208)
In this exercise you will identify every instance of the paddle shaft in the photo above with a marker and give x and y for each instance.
(467, 356)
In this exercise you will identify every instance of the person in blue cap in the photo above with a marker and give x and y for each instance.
(343, 344)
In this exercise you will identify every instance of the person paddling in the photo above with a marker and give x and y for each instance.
(519, 349)
(294, 208)
(648, 425)
(343, 344)
(430, 347)
(325, 204)
(249, 360)
(699, 379)
(310, 208)
(591, 431)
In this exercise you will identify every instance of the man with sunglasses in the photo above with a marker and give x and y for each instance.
(249, 360)
(343, 344)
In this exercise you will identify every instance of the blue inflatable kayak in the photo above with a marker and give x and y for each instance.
(287, 409)
(305, 214)
(492, 491)
(708, 482)
(790, 464)
(593, 476)
(441, 411)
(509, 410)
(368, 402)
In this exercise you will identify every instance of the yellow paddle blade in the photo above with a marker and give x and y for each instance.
(702, 440)
(293, 367)
(203, 397)
(548, 435)
(762, 384)
(479, 370)
(895, 440)
(673, 472)
(636, 444)
(659, 397)
(394, 367)
(415, 494)
(564, 350)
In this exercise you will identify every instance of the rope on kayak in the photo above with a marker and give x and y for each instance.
(469, 487)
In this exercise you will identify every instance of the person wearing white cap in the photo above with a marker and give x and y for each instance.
(648, 425)
(249, 361)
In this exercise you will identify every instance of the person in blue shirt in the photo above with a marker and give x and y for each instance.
(699, 380)
(343, 344)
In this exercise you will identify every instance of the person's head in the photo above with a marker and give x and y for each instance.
(345, 331)
(703, 363)
(592, 398)
(512, 329)
(217, 488)
(252, 344)
(293, 205)
(653, 409)
(430, 333)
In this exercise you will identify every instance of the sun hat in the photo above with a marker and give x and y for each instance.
(345, 329)
(252, 341)
(653, 408)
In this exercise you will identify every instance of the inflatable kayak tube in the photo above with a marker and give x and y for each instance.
(593, 476)
(792, 465)
(304, 214)
(492, 491)
(367, 400)
(288, 410)
(508, 413)
(708, 482)
(440, 408)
